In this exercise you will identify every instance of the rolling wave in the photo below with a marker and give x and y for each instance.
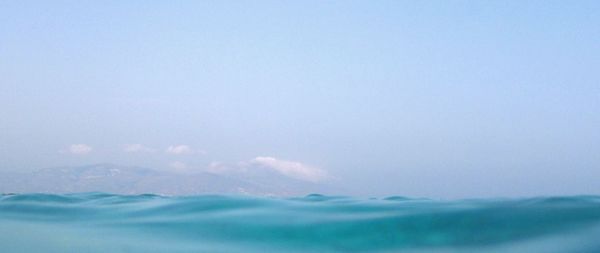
(101, 222)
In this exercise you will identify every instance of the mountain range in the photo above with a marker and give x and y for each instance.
(137, 180)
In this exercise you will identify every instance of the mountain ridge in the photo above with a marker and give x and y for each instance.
(112, 178)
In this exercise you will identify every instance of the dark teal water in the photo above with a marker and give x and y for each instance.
(96, 222)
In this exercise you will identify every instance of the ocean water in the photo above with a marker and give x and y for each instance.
(98, 222)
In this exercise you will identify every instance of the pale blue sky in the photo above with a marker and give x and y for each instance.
(417, 98)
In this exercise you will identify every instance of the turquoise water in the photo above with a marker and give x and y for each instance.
(97, 222)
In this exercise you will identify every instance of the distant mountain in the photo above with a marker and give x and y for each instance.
(136, 180)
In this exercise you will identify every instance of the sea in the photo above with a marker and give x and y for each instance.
(101, 222)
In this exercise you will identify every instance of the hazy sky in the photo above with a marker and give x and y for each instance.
(416, 98)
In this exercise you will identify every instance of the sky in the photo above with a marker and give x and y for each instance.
(413, 98)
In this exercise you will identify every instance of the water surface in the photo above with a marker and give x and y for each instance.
(98, 222)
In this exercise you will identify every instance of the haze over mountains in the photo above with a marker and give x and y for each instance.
(137, 180)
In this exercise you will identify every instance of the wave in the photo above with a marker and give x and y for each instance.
(101, 222)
